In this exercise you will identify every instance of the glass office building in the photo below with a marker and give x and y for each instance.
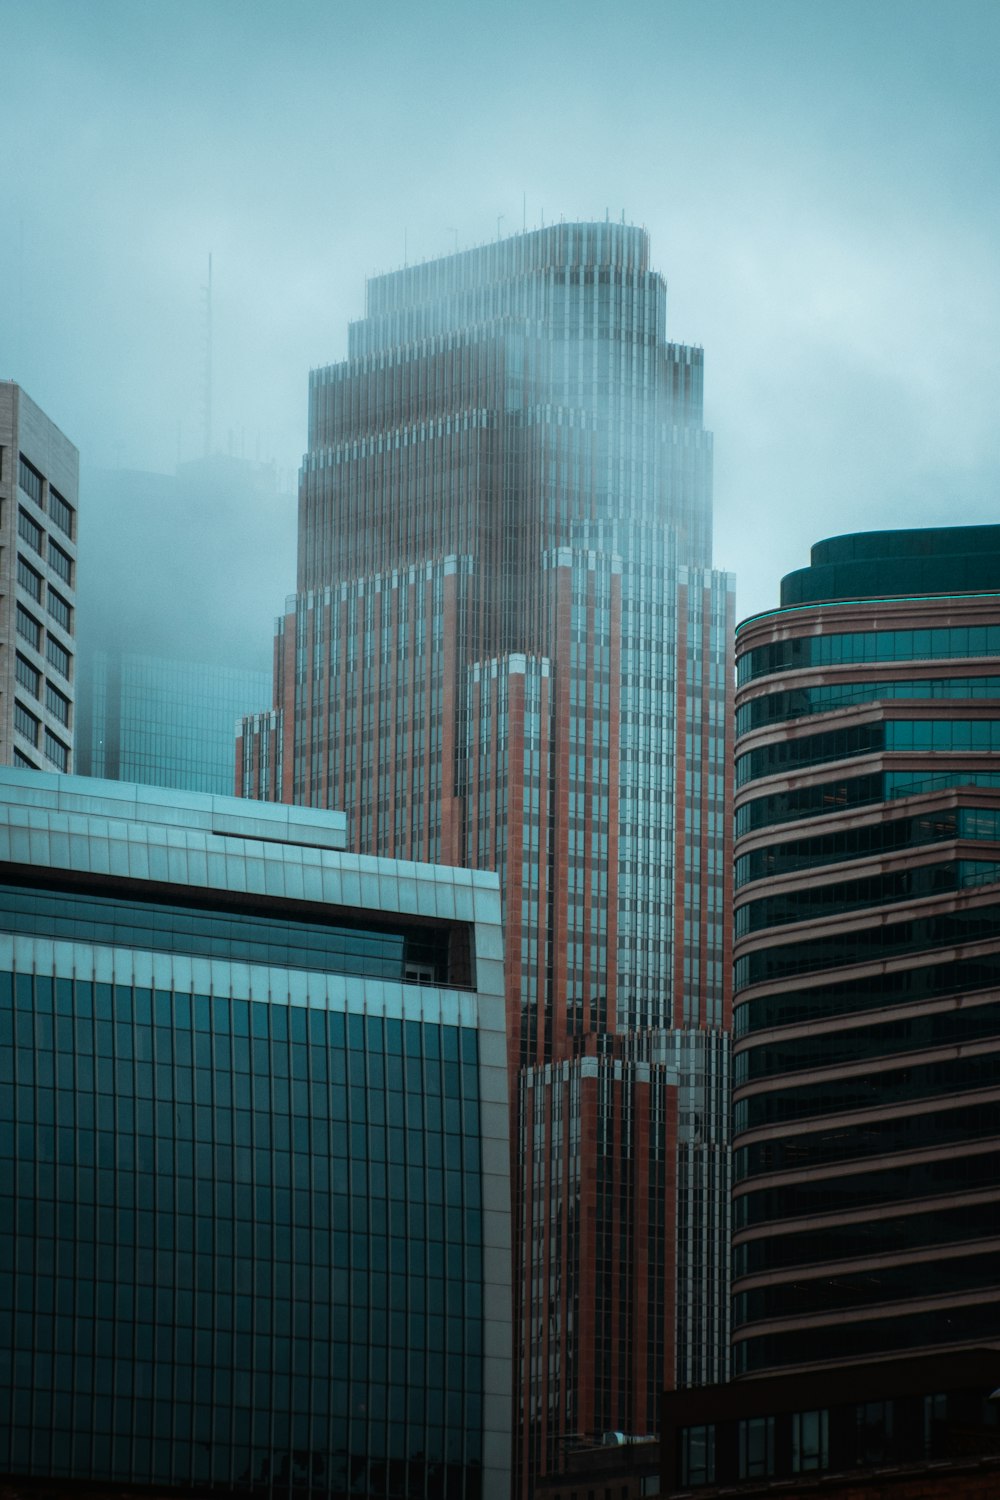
(509, 650)
(253, 1152)
(162, 722)
(867, 995)
(171, 656)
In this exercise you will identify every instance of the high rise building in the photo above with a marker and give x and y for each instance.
(39, 483)
(253, 1154)
(509, 650)
(172, 656)
(162, 721)
(867, 1006)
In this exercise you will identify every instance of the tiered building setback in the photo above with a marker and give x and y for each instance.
(508, 650)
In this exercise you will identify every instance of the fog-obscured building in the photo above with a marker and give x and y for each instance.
(866, 1206)
(174, 647)
(254, 1170)
(509, 650)
(39, 487)
(163, 722)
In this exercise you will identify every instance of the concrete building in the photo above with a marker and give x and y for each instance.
(253, 1154)
(509, 651)
(39, 484)
(867, 998)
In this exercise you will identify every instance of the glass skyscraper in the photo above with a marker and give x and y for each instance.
(160, 721)
(509, 650)
(253, 1153)
(867, 1022)
(172, 656)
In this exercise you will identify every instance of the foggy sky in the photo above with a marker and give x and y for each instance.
(819, 178)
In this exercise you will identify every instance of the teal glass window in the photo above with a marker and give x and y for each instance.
(187, 1278)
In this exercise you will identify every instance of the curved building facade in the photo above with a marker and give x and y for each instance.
(866, 1205)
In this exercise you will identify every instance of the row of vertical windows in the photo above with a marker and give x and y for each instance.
(57, 704)
(955, 1173)
(880, 1137)
(57, 656)
(30, 480)
(245, 934)
(25, 723)
(867, 1236)
(884, 837)
(755, 1448)
(30, 630)
(60, 562)
(873, 991)
(61, 512)
(28, 627)
(947, 1325)
(29, 530)
(57, 752)
(797, 703)
(832, 1294)
(29, 580)
(868, 646)
(941, 930)
(857, 791)
(60, 610)
(809, 802)
(910, 884)
(846, 1095)
(906, 1034)
(972, 735)
(28, 676)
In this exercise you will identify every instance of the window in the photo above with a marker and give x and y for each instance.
(756, 1444)
(25, 723)
(30, 480)
(28, 627)
(58, 656)
(29, 580)
(935, 1425)
(810, 1441)
(60, 562)
(57, 752)
(698, 1455)
(874, 1431)
(61, 512)
(27, 675)
(29, 530)
(60, 610)
(56, 703)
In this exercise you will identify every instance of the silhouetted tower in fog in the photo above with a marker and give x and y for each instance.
(509, 650)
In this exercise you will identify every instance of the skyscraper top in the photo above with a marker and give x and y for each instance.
(624, 247)
(883, 564)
